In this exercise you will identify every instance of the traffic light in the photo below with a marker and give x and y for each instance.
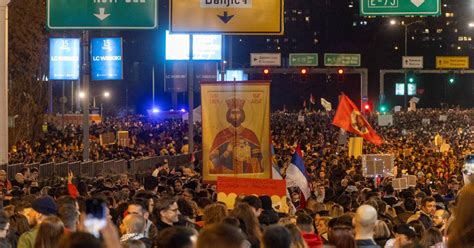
(266, 73)
(304, 74)
(366, 107)
(383, 108)
(452, 78)
(411, 77)
(340, 75)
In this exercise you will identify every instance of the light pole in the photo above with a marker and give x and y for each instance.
(106, 94)
(405, 25)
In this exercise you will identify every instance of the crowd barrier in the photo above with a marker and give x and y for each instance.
(96, 168)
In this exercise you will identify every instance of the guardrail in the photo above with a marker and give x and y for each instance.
(95, 168)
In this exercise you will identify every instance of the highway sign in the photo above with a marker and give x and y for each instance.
(400, 7)
(414, 62)
(227, 16)
(265, 59)
(303, 59)
(452, 62)
(340, 59)
(102, 14)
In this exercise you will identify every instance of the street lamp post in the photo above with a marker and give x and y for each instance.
(405, 25)
(106, 94)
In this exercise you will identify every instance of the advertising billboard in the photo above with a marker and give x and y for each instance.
(106, 59)
(205, 47)
(64, 58)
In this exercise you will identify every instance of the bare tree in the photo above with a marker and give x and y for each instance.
(28, 64)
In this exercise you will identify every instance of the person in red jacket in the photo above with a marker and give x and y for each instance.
(305, 224)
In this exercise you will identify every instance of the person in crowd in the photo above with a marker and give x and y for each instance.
(297, 239)
(364, 222)
(428, 208)
(255, 203)
(440, 220)
(177, 237)
(276, 236)
(246, 214)
(49, 232)
(19, 181)
(80, 240)
(342, 238)
(268, 215)
(132, 228)
(322, 228)
(461, 230)
(41, 208)
(409, 207)
(214, 213)
(221, 235)
(381, 233)
(139, 207)
(432, 238)
(305, 224)
(133, 244)
(167, 213)
(69, 215)
(405, 236)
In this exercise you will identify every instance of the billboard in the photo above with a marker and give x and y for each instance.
(64, 58)
(106, 59)
(177, 46)
(205, 47)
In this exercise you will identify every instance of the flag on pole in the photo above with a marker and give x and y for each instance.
(275, 170)
(296, 176)
(349, 118)
(326, 105)
(311, 99)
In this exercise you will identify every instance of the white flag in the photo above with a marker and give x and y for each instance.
(326, 105)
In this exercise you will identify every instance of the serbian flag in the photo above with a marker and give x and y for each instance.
(311, 99)
(349, 118)
(296, 176)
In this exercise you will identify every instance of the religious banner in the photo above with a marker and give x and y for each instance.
(229, 188)
(236, 129)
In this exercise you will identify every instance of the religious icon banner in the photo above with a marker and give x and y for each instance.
(236, 129)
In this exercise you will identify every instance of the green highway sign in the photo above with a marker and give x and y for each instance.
(341, 59)
(102, 14)
(400, 7)
(303, 59)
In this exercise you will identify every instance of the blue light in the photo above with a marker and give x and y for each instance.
(156, 110)
(183, 110)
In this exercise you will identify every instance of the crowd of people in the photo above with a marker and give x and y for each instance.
(145, 138)
(173, 207)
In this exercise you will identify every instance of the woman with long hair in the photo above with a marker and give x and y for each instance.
(297, 239)
(461, 230)
(49, 233)
(214, 213)
(245, 214)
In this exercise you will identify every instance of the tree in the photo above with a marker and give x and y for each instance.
(28, 63)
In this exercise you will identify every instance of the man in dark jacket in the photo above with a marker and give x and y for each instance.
(428, 208)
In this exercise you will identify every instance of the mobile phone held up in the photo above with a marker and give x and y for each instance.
(96, 216)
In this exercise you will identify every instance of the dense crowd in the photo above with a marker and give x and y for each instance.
(146, 138)
(172, 207)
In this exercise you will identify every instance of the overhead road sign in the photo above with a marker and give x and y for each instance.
(452, 62)
(102, 14)
(265, 59)
(412, 62)
(400, 7)
(227, 16)
(303, 59)
(340, 59)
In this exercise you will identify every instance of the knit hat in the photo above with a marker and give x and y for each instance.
(45, 205)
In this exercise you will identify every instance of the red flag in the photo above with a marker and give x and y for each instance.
(349, 118)
(311, 99)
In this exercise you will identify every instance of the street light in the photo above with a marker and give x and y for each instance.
(82, 95)
(471, 24)
(405, 25)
